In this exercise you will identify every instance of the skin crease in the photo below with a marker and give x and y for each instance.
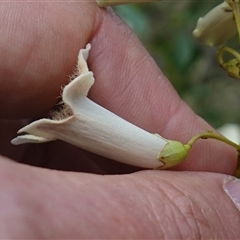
(39, 46)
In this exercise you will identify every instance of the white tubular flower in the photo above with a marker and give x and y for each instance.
(105, 3)
(89, 126)
(217, 26)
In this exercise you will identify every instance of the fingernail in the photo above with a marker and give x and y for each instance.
(232, 188)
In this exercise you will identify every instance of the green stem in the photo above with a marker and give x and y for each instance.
(229, 50)
(213, 135)
(236, 12)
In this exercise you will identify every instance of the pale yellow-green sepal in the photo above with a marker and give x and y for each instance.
(173, 153)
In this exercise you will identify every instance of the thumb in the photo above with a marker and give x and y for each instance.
(194, 205)
(41, 203)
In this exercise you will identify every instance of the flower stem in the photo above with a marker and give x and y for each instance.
(229, 50)
(236, 12)
(210, 134)
(237, 173)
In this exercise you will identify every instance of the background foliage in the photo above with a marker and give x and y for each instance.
(165, 28)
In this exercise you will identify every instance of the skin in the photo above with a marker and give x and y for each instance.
(39, 45)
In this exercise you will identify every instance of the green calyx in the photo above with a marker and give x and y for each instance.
(175, 152)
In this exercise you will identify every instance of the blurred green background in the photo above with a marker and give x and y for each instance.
(165, 29)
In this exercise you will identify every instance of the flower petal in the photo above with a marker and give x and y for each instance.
(28, 139)
(77, 89)
(82, 59)
(37, 132)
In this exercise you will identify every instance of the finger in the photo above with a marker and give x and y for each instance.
(129, 83)
(39, 46)
(144, 205)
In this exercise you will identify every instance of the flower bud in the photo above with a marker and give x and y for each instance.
(217, 26)
(173, 153)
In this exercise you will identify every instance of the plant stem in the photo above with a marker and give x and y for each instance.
(229, 50)
(210, 134)
(236, 12)
(237, 173)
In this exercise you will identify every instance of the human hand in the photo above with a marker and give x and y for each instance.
(39, 47)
